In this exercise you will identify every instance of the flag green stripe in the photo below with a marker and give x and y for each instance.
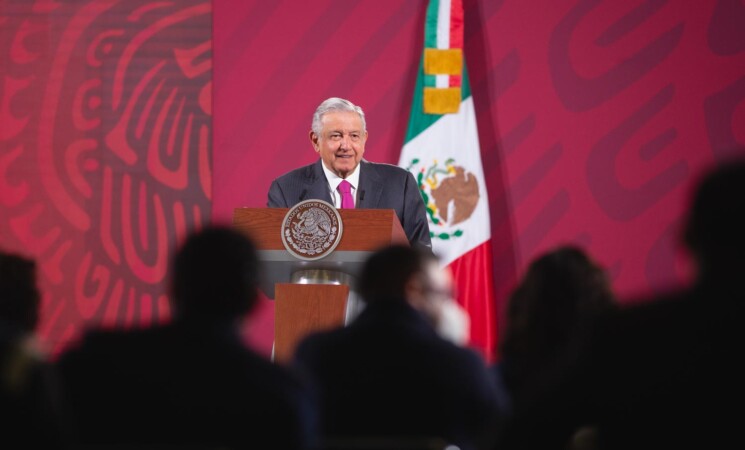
(430, 24)
(465, 85)
(418, 120)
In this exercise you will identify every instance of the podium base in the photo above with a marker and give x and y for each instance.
(301, 309)
(354, 305)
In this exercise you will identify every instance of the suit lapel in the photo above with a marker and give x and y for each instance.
(317, 186)
(371, 186)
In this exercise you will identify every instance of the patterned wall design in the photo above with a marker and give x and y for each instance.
(105, 149)
(595, 116)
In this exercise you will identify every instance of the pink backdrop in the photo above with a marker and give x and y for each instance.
(594, 116)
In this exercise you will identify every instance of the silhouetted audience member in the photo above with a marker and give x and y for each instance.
(389, 374)
(551, 315)
(663, 373)
(666, 373)
(191, 382)
(30, 414)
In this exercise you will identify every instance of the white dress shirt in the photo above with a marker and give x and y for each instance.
(334, 180)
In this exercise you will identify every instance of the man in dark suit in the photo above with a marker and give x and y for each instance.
(389, 374)
(338, 135)
(190, 383)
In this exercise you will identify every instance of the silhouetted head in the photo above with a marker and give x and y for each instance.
(391, 273)
(556, 301)
(715, 228)
(19, 296)
(215, 276)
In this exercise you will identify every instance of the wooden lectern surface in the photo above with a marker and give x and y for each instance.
(381, 227)
(304, 309)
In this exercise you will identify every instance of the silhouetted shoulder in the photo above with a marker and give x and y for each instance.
(179, 384)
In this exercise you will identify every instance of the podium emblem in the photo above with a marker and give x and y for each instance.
(311, 229)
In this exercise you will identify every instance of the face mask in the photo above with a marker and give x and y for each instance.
(454, 324)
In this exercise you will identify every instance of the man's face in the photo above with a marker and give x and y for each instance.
(439, 284)
(341, 143)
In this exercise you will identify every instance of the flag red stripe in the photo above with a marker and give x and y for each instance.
(456, 34)
(472, 274)
(456, 24)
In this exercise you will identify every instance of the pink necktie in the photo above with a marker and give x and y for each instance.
(345, 189)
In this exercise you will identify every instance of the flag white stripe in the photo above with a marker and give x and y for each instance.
(443, 25)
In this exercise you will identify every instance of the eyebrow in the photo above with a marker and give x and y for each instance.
(341, 131)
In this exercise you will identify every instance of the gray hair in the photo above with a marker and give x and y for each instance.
(335, 104)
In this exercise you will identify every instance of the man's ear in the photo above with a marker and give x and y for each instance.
(413, 290)
(418, 298)
(314, 140)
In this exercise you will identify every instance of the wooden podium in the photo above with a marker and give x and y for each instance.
(312, 295)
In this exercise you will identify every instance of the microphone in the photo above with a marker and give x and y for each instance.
(362, 196)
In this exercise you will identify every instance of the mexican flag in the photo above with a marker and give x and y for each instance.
(442, 151)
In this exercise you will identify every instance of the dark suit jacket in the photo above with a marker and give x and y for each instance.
(389, 374)
(382, 186)
(668, 373)
(182, 385)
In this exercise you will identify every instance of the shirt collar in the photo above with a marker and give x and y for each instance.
(334, 179)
